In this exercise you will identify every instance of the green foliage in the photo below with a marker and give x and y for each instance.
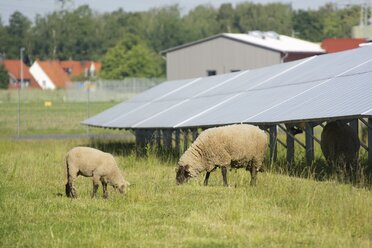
(308, 25)
(131, 57)
(3, 37)
(115, 25)
(67, 35)
(327, 22)
(270, 17)
(201, 22)
(164, 28)
(280, 211)
(339, 22)
(17, 34)
(4, 77)
(226, 18)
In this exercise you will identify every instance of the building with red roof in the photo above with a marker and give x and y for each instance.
(13, 67)
(53, 74)
(332, 45)
(49, 74)
(75, 68)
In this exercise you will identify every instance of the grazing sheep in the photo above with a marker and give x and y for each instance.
(340, 144)
(90, 162)
(233, 146)
(296, 128)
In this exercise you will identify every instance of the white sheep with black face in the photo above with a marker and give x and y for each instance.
(233, 146)
(90, 162)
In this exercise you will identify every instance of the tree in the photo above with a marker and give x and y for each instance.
(4, 77)
(18, 33)
(338, 22)
(131, 57)
(3, 38)
(327, 22)
(271, 17)
(308, 25)
(116, 24)
(68, 35)
(164, 28)
(226, 18)
(201, 22)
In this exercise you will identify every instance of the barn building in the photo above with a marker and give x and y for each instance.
(231, 52)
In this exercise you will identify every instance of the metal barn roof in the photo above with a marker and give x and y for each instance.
(269, 40)
(337, 85)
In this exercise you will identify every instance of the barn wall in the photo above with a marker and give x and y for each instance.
(220, 54)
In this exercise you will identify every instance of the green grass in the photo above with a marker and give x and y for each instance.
(60, 118)
(281, 211)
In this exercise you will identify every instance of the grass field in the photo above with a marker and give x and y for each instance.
(60, 118)
(281, 211)
(289, 207)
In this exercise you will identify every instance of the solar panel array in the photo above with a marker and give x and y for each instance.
(337, 85)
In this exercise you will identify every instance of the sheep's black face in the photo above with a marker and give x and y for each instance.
(182, 174)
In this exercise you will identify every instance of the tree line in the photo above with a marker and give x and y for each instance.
(129, 43)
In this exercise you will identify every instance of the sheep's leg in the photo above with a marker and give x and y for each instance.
(224, 175)
(70, 187)
(104, 187)
(95, 186)
(206, 178)
(253, 171)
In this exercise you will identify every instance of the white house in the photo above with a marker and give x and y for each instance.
(49, 74)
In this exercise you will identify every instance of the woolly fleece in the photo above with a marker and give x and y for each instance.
(90, 162)
(339, 142)
(221, 146)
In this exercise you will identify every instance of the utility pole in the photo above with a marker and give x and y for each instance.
(20, 84)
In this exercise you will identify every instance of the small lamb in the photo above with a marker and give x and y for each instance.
(90, 162)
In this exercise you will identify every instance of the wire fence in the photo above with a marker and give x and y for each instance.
(109, 90)
(32, 112)
(98, 91)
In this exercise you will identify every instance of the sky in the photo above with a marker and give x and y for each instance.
(30, 8)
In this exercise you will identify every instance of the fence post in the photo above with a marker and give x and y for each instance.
(87, 85)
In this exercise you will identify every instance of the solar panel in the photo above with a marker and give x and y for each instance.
(319, 87)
